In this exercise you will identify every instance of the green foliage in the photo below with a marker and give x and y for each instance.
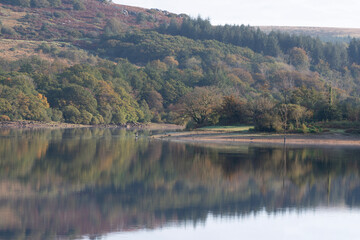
(22, 3)
(72, 114)
(141, 17)
(277, 80)
(55, 3)
(8, 30)
(39, 3)
(56, 115)
(78, 5)
(113, 27)
(5, 107)
(272, 44)
(304, 128)
(147, 114)
(100, 15)
(299, 58)
(264, 116)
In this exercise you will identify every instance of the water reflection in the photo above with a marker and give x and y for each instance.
(95, 181)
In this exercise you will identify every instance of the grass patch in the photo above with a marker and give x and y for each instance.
(339, 125)
(227, 128)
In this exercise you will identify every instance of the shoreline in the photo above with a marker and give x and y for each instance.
(56, 125)
(214, 137)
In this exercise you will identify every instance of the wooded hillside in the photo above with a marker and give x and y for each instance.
(96, 62)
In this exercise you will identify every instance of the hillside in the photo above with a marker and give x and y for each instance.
(324, 33)
(64, 24)
(95, 62)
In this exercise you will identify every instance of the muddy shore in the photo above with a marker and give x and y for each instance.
(330, 139)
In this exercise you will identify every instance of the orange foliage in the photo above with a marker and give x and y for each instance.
(44, 100)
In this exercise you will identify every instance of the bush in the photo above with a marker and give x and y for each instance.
(86, 117)
(8, 30)
(78, 5)
(22, 3)
(39, 3)
(157, 118)
(97, 119)
(55, 3)
(56, 115)
(72, 114)
(190, 125)
(353, 131)
(304, 128)
(119, 116)
(315, 129)
(100, 15)
(4, 118)
(59, 14)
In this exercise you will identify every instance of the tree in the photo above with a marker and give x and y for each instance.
(299, 58)
(292, 113)
(200, 106)
(272, 46)
(79, 97)
(154, 100)
(233, 111)
(264, 116)
(5, 107)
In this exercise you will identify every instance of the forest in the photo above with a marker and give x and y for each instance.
(180, 70)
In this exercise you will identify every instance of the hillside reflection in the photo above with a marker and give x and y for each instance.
(94, 181)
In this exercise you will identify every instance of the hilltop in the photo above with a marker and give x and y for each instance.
(324, 33)
(94, 62)
(64, 24)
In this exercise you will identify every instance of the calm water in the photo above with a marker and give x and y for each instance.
(105, 184)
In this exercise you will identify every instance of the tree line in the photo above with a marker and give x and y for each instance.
(275, 44)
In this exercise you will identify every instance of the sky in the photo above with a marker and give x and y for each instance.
(329, 224)
(317, 13)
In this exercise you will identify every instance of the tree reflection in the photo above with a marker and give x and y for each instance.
(93, 181)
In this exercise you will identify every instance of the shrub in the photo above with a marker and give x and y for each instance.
(72, 114)
(4, 118)
(78, 5)
(56, 115)
(304, 128)
(8, 30)
(55, 3)
(119, 116)
(353, 131)
(100, 15)
(190, 125)
(39, 3)
(97, 119)
(59, 14)
(86, 117)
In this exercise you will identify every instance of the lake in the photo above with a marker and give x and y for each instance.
(107, 184)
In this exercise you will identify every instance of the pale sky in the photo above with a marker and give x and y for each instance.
(318, 13)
